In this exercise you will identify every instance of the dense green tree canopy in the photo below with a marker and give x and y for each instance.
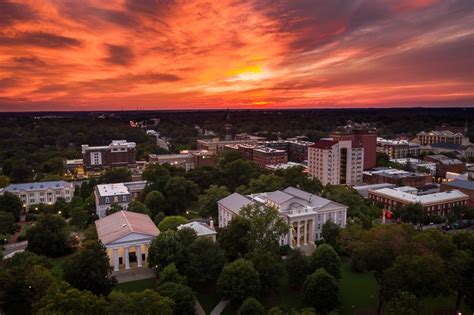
(144, 302)
(171, 223)
(269, 267)
(206, 260)
(11, 203)
(155, 201)
(235, 239)
(182, 296)
(48, 236)
(238, 281)
(251, 307)
(297, 267)
(89, 269)
(326, 257)
(137, 206)
(180, 193)
(207, 202)
(321, 291)
(61, 298)
(24, 278)
(116, 175)
(267, 227)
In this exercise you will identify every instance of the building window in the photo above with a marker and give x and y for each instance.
(124, 198)
(107, 200)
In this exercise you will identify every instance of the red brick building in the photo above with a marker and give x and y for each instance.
(397, 177)
(445, 164)
(361, 136)
(437, 203)
(263, 156)
(119, 153)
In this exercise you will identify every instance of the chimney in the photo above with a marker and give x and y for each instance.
(211, 224)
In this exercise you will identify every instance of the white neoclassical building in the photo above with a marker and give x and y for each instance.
(127, 237)
(304, 212)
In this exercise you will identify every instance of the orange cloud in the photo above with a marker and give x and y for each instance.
(153, 54)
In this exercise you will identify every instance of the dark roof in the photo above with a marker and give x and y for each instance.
(324, 144)
(459, 183)
(450, 146)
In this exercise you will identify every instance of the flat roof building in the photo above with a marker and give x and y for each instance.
(438, 203)
(396, 177)
(446, 164)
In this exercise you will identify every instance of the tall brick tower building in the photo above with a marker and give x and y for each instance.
(362, 137)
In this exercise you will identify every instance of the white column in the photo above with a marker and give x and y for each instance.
(298, 234)
(291, 236)
(138, 252)
(116, 260)
(305, 232)
(127, 259)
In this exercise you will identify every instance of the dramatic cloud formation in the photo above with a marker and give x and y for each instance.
(160, 54)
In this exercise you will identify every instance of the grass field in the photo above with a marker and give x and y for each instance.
(57, 269)
(357, 291)
(136, 286)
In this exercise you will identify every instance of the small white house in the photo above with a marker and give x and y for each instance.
(201, 229)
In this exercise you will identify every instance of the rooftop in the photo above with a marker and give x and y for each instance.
(459, 183)
(122, 223)
(424, 199)
(117, 189)
(268, 150)
(235, 202)
(444, 159)
(444, 133)
(38, 186)
(201, 228)
(324, 144)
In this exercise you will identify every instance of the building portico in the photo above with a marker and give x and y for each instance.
(127, 237)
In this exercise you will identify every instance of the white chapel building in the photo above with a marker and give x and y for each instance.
(127, 237)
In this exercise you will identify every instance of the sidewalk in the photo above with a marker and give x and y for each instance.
(219, 307)
(133, 274)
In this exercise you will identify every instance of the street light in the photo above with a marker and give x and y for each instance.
(59, 212)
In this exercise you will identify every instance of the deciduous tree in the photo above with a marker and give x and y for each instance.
(206, 260)
(48, 236)
(238, 281)
(251, 307)
(89, 269)
(321, 291)
(326, 257)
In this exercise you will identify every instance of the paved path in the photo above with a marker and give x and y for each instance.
(219, 307)
(133, 274)
(198, 308)
(13, 247)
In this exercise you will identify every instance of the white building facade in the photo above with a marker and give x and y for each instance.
(127, 237)
(42, 192)
(336, 162)
(305, 213)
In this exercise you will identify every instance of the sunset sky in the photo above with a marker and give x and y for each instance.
(88, 55)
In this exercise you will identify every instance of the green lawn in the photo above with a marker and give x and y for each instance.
(357, 291)
(136, 286)
(57, 269)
